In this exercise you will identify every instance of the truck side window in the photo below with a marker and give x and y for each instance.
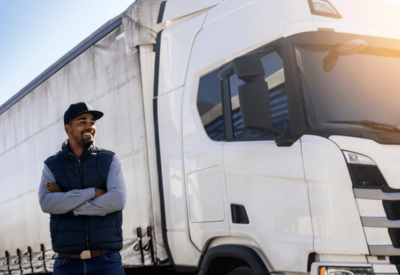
(209, 105)
(274, 76)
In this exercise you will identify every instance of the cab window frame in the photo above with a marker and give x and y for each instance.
(295, 105)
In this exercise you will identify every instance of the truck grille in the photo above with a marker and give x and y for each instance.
(394, 234)
(370, 177)
(396, 261)
(392, 209)
(388, 189)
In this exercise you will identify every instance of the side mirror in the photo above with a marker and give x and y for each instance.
(255, 106)
(253, 95)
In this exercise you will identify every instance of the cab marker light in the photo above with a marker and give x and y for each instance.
(354, 158)
(323, 8)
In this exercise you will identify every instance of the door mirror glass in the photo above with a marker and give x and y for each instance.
(255, 106)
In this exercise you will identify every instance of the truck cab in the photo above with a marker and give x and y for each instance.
(277, 134)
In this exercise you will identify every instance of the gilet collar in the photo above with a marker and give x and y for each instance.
(87, 152)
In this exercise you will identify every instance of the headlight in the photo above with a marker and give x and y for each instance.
(364, 172)
(354, 158)
(323, 8)
(345, 271)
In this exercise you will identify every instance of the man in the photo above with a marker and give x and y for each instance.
(83, 189)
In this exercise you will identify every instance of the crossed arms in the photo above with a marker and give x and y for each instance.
(89, 201)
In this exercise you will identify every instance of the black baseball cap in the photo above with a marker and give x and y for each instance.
(79, 108)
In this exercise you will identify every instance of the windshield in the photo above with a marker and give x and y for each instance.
(350, 84)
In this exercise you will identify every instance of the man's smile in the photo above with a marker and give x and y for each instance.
(88, 134)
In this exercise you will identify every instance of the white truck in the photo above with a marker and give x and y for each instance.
(256, 136)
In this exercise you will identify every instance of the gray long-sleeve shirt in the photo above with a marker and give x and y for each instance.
(84, 201)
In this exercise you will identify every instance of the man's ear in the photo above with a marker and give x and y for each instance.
(67, 128)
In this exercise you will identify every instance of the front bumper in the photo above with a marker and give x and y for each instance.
(378, 269)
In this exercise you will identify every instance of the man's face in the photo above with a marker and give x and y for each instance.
(82, 130)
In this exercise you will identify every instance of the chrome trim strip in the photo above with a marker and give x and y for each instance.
(375, 194)
(379, 222)
(383, 250)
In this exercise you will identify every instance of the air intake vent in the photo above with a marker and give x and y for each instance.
(396, 261)
(366, 176)
(392, 209)
(394, 234)
(239, 214)
(388, 189)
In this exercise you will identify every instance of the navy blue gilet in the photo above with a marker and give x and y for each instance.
(73, 234)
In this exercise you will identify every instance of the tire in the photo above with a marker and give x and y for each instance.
(244, 270)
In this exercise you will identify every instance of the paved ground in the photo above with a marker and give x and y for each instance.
(164, 270)
(146, 271)
(155, 271)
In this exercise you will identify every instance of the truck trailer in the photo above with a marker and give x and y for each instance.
(255, 136)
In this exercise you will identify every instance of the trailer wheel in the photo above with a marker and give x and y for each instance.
(244, 270)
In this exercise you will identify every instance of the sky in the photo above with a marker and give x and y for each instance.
(36, 33)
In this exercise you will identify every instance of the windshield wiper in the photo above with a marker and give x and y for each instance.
(370, 124)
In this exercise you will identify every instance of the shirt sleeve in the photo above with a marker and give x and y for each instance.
(112, 201)
(60, 202)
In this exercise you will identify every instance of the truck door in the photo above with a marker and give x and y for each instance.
(266, 190)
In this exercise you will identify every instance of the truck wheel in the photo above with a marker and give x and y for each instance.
(242, 271)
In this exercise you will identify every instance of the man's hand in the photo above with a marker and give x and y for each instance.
(52, 187)
(99, 192)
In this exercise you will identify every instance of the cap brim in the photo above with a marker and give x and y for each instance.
(96, 114)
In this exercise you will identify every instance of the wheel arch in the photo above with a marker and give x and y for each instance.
(244, 253)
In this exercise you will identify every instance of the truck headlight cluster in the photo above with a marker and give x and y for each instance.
(364, 172)
(354, 158)
(345, 271)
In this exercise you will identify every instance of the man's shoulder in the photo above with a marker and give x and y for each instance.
(105, 152)
(52, 158)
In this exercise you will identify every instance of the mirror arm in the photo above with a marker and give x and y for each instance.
(285, 142)
(282, 140)
(279, 133)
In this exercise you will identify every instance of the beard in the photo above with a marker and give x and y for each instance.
(83, 142)
(87, 142)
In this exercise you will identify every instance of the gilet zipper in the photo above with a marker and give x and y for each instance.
(86, 222)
